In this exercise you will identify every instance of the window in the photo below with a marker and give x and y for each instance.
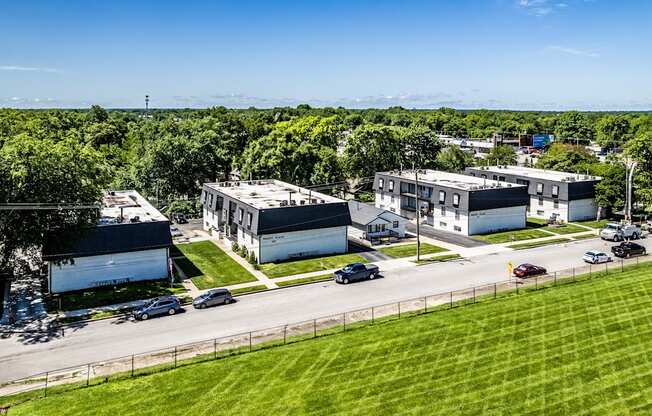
(442, 224)
(457, 228)
(555, 203)
(407, 188)
(483, 176)
(381, 183)
(472, 174)
(555, 191)
(540, 213)
(382, 197)
(370, 228)
(395, 224)
(540, 201)
(210, 200)
(443, 211)
(240, 215)
(501, 178)
(391, 186)
(392, 199)
(203, 196)
(442, 197)
(522, 182)
(539, 188)
(249, 217)
(456, 200)
(457, 215)
(251, 239)
(495, 177)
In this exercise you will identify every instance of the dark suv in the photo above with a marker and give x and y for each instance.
(165, 305)
(212, 298)
(628, 249)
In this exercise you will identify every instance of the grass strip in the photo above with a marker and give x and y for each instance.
(312, 279)
(409, 250)
(292, 267)
(443, 258)
(534, 244)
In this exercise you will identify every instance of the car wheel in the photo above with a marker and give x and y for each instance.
(172, 311)
(144, 317)
(345, 281)
(635, 236)
(372, 276)
(202, 306)
(226, 302)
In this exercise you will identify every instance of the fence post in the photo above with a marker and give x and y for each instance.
(399, 309)
(285, 334)
(622, 265)
(425, 304)
(45, 392)
(536, 282)
(590, 272)
(88, 374)
(637, 261)
(606, 268)
(175, 357)
(249, 341)
(373, 318)
(132, 365)
(344, 320)
(473, 294)
(451, 299)
(214, 348)
(314, 328)
(495, 289)
(516, 286)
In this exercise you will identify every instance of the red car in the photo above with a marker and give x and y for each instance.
(527, 269)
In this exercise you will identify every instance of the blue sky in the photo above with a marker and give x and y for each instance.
(507, 54)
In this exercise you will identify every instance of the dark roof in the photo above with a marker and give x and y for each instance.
(306, 217)
(107, 239)
(363, 214)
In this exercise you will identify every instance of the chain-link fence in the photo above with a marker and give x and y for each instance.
(56, 381)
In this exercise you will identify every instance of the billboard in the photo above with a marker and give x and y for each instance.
(539, 141)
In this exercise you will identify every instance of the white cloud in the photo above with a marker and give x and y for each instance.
(540, 7)
(26, 68)
(572, 51)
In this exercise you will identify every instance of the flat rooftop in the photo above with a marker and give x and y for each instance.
(127, 206)
(552, 175)
(271, 193)
(450, 180)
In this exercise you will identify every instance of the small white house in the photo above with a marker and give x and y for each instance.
(369, 222)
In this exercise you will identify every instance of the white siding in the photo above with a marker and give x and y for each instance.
(548, 208)
(87, 272)
(248, 239)
(582, 209)
(210, 219)
(282, 246)
(389, 202)
(500, 219)
(449, 221)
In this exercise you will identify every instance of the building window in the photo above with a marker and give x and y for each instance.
(381, 183)
(395, 224)
(483, 176)
(370, 228)
(495, 177)
(442, 224)
(249, 217)
(392, 199)
(392, 209)
(203, 196)
(522, 182)
(555, 203)
(540, 213)
(456, 200)
(443, 211)
(539, 188)
(251, 238)
(391, 186)
(442, 197)
(555, 191)
(457, 228)
(472, 174)
(457, 215)
(240, 215)
(540, 201)
(210, 200)
(501, 178)
(382, 196)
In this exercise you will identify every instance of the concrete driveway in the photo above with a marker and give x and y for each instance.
(457, 239)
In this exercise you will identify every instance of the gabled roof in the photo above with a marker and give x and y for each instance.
(107, 239)
(363, 214)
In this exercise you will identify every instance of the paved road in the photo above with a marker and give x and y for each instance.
(21, 356)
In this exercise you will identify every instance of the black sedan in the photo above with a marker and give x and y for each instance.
(527, 269)
(628, 249)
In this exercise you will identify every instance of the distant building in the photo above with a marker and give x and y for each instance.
(567, 196)
(453, 202)
(276, 220)
(130, 243)
(369, 222)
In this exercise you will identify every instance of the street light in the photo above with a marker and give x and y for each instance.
(630, 166)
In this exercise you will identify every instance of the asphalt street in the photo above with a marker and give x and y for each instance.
(23, 355)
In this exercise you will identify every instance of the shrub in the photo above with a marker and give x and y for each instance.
(252, 258)
(243, 252)
(235, 247)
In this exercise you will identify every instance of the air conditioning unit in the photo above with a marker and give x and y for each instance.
(293, 202)
(302, 202)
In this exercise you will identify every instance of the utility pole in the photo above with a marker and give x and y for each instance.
(416, 197)
(630, 166)
(146, 105)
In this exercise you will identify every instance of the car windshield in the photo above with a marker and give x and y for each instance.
(591, 253)
(348, 268)
(150, 303)
(612, 227)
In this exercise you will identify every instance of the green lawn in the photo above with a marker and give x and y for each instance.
(575, 349)
(509, 236)
(534, 244)
(208, 266)
(288, 268)
(250, 289)
(568, 228)
(93, 298)
(584, 236)
(408, 250)
(594, 224)
(436, 259)
(319, 278)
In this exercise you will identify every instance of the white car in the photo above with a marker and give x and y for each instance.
(596, 257)
(175, 232)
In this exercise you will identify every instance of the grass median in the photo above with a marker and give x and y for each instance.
(292, 267)
(409, 250)
(509, 236)
(535, 244)
(491, 358)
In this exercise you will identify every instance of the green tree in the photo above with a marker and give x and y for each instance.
(610, 191)
(501, 155)
(454, 159)
(370, 149)
(419, 146)
(574, 127)
(612, 131)
(640, 149)
(567, 158)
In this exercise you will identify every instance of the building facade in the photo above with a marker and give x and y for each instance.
(276, 220)
(552, 194)
(130, 243)
(452, 202)
(369, 222)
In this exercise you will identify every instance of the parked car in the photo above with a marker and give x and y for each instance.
(355, 272)
(175, 231)
(165, 305)
(527, 269)
(212, 298)
(618, 232)
(628, 249)
(596, 257)
(180, 218)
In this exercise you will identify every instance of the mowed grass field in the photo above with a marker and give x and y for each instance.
(578, 349)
